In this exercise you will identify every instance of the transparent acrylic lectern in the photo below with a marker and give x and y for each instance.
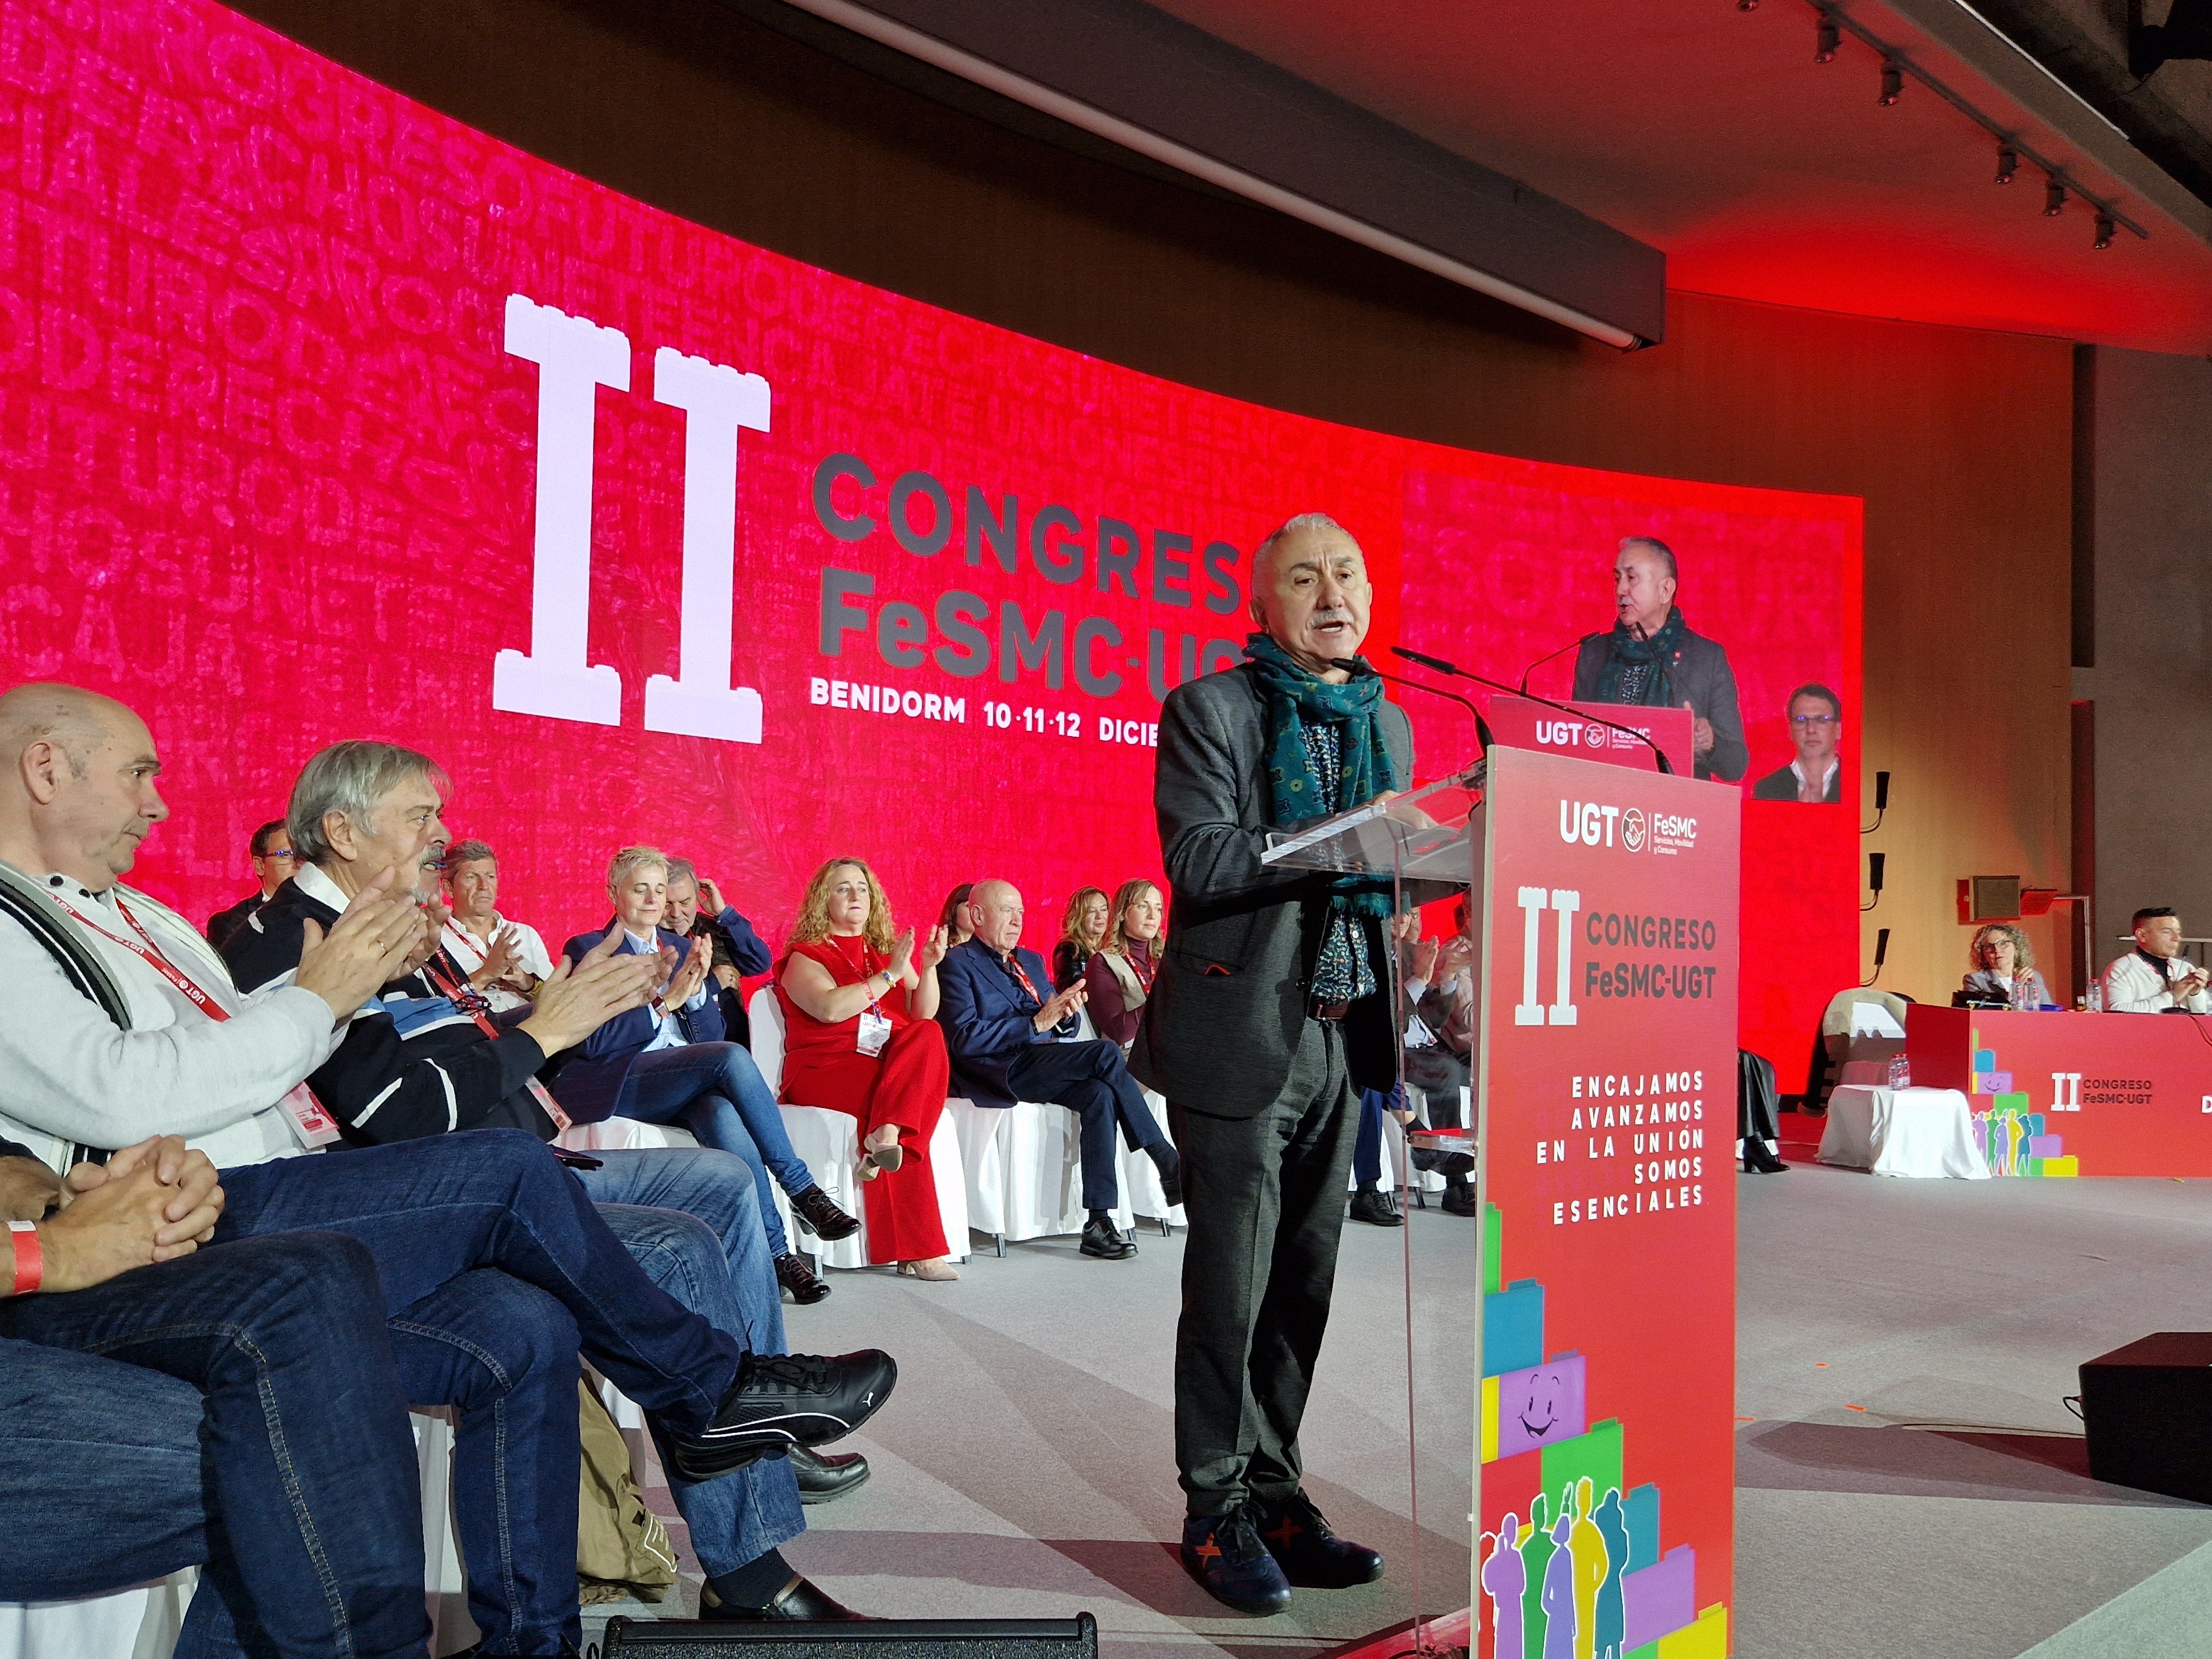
(1427, 844)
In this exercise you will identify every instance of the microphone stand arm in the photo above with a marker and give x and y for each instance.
(1443, 668)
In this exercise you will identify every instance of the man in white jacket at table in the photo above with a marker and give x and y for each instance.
(2156, 977)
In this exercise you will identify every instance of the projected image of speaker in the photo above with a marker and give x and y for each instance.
(2147, 1408)
(887, 1638)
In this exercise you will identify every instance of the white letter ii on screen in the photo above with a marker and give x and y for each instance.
(574, 358)
(1566, 901)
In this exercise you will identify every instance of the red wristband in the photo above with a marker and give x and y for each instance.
(30, 1258)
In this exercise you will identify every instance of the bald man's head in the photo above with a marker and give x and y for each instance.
(997, 910)
(79, 793)
(74, 720)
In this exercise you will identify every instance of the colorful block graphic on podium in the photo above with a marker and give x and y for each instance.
(1582, 1574)
(2012, 1140)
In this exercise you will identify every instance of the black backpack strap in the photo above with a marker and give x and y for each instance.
(24, 903)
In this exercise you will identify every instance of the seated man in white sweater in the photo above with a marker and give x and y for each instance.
(2156, 977)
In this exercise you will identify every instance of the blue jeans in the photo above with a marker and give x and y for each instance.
(715, 1090)
(237, 1409)
(495, 1267)
(701, 1243)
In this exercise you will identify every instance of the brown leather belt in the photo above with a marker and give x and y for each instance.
(1317, 1009)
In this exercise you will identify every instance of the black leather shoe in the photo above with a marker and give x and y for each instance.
(820, 1215)
(802, 1601)
(1375, 1207)
(1459, 1198)
(783, 1400)
(795, 1275)
(1226, 1557)
(824, 1476)
(1308, 1549)
(1104, 1240)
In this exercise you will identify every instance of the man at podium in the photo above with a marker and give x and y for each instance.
(1651, 658)
(1274, 1008)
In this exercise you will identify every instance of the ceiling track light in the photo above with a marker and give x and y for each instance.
(1833, 23)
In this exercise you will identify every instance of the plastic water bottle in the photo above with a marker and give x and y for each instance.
(1900, 1074)
(2095, 999)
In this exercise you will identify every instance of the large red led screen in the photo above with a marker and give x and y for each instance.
(322, 415)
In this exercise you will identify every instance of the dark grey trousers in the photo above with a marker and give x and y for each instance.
(1265, 1200)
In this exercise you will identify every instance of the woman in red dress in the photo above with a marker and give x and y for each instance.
(860, 1036)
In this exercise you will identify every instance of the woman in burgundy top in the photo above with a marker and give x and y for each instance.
(1082, 932)
(860, 1036)
(1119, 976)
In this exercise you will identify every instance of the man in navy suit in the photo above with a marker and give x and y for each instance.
(1006, 1038)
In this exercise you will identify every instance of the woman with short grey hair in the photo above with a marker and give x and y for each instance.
(671, 1063)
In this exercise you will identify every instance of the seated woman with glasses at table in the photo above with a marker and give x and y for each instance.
(861, 1037)
(2004, 970)
(1119, 976)
(1082, 931)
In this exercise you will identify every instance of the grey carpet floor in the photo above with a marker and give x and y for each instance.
(1910, 1481)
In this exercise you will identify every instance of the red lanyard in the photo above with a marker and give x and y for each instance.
(867, 973)
(1144, 968)
(470, 1000)
(1014, 966)
(150, 954)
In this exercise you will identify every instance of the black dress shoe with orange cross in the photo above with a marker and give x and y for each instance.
(1226, 1557)
(1307, 1547)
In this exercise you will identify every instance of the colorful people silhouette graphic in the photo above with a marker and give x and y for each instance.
(1505, 1579)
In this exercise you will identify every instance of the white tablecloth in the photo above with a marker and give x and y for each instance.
(1902, 1132)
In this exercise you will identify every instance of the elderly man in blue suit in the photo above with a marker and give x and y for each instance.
(1009, 1041)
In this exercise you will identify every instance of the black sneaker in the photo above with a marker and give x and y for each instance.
(1312, 1556)
(1104, 1240)
(818, 1213)
(783, 1400)
(1459, 1197)
(1226, 1557)
(792, 1272)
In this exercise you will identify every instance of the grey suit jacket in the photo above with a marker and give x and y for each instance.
(1702, 679)
(1226, 1014)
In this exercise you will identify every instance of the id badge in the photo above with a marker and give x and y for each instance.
(548, 1105)
(1417, 1034)
(311, 1126)
(875, 1032)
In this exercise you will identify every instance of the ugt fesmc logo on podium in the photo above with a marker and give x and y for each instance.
(576, 357)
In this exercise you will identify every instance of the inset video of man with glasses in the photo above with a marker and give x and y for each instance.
(1816, 726)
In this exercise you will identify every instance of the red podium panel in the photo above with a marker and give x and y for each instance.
(1524, 723)
(1606, 1088)
(2074, 1094)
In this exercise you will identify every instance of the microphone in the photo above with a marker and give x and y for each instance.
(1352, 665)
(1541, 661)
(1443, 668)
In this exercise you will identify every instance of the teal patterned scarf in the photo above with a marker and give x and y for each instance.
(1624, 650)
(1294, 697)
